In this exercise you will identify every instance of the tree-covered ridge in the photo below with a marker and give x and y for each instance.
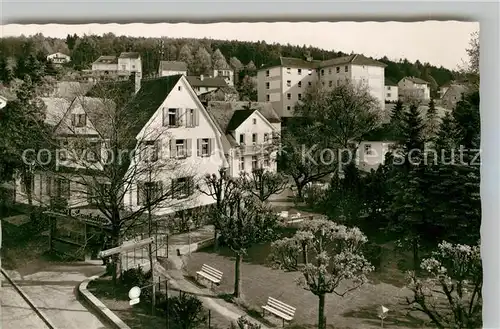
(84, 50)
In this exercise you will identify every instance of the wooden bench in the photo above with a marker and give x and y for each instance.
(211, 274)
(280, 309)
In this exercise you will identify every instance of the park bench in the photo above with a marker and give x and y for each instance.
(211, 274)
(279, 309)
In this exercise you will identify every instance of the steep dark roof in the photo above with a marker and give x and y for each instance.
(195, 81)
(238, 118)
(173, 66)
(129, 55)
(107, 60)
(138, 108)
(223, 112)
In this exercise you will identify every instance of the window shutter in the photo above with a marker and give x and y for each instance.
(173, 151)
(189, 147)
(179, 117)
(189, 118)
(173, 192)
(191, 185)
(196, 117)
(73, 119)
(198, 147)
(211, 146)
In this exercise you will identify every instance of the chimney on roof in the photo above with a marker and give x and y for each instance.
(201, 77)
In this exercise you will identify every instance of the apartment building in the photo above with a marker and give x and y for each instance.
(285, 82)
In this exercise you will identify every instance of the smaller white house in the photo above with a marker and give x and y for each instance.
(168, 68)
(58, 58)
(391, 91)
(250, 130)
(414, 88)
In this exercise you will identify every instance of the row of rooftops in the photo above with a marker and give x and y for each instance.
(182, 66)
(226, 115)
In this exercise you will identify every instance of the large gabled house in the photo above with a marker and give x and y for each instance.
(250, 134)
(166, 124)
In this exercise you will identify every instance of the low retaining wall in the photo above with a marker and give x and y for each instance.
(98, 306)
(184, 250)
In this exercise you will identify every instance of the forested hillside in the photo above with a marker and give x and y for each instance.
(199, 53)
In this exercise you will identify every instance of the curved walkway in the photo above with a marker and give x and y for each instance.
(172, 268)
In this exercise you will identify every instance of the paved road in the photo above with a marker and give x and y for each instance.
(16, 313)
(52, 290)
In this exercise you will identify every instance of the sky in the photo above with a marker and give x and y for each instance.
(439, 43)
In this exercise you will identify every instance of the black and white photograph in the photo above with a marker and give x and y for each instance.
(241, 175)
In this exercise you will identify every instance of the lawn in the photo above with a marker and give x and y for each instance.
(138, 316)
(356, 310)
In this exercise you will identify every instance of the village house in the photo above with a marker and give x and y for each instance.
(168, 68)
(411, 88)
(250, 133)
(284, 83)
(170, 128)
(391, 91)
(225, 72)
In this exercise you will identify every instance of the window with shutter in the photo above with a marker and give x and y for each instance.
(205, 147)
(189, 147)
(182, 187)
(180, 148)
